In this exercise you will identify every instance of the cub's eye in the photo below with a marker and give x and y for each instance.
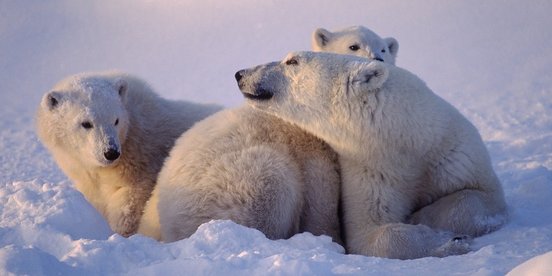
(383, 50)
(117, 121)
(87, 125)
(292, 61)
(354, 47)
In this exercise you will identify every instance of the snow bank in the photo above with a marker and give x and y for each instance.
(51, 229)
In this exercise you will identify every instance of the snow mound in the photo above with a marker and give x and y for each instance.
(56, 230)
(51, 229)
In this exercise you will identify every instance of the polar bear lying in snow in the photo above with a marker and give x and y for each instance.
(252, 168)
(110, 133)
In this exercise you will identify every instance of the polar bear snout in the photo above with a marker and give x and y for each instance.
(250, 84)
(239, 76)
(260, 83)
(112, 154)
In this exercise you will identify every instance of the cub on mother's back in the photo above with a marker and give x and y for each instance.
(357, 41)
(110, 133)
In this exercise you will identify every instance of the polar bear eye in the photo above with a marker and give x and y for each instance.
(87, 125)
(292, 61)
(117, 121)
(383, 50)
(354, 47)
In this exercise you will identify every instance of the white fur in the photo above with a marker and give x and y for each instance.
(252, 168)
(123, 114)
(358, 41)
(416, 175)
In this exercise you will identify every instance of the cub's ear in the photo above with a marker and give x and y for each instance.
(369, 75)
(51, 100)
(393, 46)
(121, 86)
(320, 39)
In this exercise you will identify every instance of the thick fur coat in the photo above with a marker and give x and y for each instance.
(110, 133)
(417, 178)
(250, 167)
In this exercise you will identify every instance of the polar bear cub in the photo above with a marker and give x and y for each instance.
(358, 41)
(110, 133)
(416, 174)
(250, 167)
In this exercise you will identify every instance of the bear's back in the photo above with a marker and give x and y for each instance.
(233, 129)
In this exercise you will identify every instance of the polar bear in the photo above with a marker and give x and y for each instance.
(250, 167)
(358, 41)
(110, 133)
(417, 178)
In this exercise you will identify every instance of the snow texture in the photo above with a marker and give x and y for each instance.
(490, 59)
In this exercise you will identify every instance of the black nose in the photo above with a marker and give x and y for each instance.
(379, 59)
(239, 75)
(112, 154)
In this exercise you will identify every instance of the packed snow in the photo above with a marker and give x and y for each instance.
(491, 59)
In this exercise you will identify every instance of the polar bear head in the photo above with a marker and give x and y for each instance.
(358, 41)
(84, 118)
(336, 97)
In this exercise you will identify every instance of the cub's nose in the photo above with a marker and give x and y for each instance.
(379, 59)
(112, 154)
(239, 75)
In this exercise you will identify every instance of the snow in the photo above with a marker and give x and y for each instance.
(490, 59)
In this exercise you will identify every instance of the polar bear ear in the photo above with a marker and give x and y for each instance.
(121, 85)
(393, 46)
(51, 100)
(370, 75)
(320, 38)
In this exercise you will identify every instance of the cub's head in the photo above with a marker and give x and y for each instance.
(84, 117)
(358, 41)
(323, 93)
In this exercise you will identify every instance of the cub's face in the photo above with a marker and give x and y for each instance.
(321, 92)
(358, 41)
(85, 118)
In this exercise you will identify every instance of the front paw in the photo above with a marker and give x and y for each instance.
(457, 245)
(124, 223)
(126, 227)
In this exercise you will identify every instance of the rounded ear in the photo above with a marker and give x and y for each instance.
(121, 85)
(393, 45)
(320, 39)
(370, 75)
(51, 100)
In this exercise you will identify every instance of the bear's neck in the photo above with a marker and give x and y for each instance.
(349, 147)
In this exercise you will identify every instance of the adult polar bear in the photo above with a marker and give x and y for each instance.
(254, 168)
(110, 133)
(250, 167)
(415, 172)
